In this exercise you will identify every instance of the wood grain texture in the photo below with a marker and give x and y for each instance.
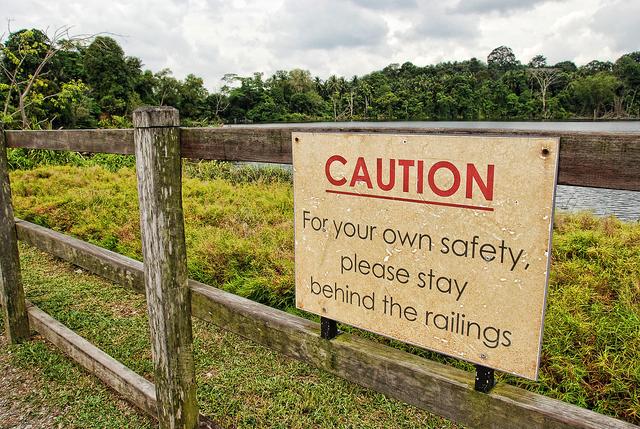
(603, 160)
(11, 291)
(440, 389)
(135, 388)
(425, 384)
(93, 141)
(92, 258)
(237, 144)
(158, 168)
(158, 116)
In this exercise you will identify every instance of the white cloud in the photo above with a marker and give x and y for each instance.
(618, 22)
(439, 23)
(326, 25)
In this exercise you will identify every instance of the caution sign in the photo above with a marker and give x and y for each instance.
(438, 241)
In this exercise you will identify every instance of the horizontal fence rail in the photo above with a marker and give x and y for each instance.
(597, 159)
(136, 389)
(425, 384)
(605, 160)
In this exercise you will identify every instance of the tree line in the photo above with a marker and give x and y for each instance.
(66, 81)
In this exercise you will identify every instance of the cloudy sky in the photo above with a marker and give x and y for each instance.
(347, 37)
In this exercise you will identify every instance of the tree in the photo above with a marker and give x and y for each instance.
(267, 110)
(193, 96)
(145, 86)
(627, 69)
(166, 88)
(502, 58)
(544, 77)
(538, 61)
(335, 87)
(365, 91)
(595, 93)
(75, 106)
(83, 82)
(110, 76)
(218, 102)
(596, 66)
(247, 96)
(566, 66)
(300, 80)
(25, 58)
(141, 82)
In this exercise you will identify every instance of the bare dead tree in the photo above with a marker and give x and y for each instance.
(544, 77)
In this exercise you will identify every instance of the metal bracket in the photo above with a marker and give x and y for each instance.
(485, 379)
(328, 328)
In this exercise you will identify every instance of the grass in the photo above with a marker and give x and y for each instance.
(27, 159)
(591, 354)
(238, 173)
(240, 238)
(240, 384)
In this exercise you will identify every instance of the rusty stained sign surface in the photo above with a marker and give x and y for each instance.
(438, 241)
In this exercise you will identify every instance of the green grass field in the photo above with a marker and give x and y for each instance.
(240, 384)
(239, 228)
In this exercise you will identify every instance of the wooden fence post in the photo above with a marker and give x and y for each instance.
(158, 166)
(11, 291)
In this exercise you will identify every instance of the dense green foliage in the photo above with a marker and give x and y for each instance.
(239, 231)
(61, 81)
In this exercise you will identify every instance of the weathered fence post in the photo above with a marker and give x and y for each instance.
(11, 291)
(158, 166)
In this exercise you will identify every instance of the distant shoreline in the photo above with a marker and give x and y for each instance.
(571, 125)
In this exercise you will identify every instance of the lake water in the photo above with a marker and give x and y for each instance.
(598, 126)
(602, 202)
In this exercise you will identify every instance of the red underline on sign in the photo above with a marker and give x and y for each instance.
(411, 200)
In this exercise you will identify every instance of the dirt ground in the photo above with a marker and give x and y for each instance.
(21, 405)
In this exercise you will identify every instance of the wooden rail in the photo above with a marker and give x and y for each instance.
(136, 389)
(607, 160)
(429, 385)
(603, 160)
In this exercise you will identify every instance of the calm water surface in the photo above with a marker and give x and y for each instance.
(603, 202)
(599, 126)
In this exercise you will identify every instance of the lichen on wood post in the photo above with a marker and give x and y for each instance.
(11, 291)
(158, 166)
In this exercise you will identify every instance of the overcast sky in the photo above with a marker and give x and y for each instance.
(347, 37)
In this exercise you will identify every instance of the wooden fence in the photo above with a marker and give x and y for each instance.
(608, 160)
